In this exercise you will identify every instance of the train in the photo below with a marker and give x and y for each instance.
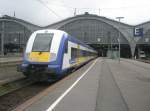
(51, 53)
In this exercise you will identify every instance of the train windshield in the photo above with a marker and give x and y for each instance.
(42, 42)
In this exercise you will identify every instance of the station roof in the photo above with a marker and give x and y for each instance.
(17, 19)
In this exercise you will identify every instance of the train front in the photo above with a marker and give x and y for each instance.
(40, 60)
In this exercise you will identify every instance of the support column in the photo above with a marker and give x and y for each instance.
(2, 38)
(132, 46)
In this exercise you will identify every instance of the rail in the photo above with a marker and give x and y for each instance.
(12, 86)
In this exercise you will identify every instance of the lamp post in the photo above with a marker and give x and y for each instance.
(119, 19)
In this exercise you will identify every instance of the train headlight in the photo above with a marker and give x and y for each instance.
(53, 56)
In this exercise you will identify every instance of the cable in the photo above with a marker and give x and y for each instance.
(49, 8)
(124, 7)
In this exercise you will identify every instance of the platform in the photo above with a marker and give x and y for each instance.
(8, 69)
(9, 59)
(101, 85)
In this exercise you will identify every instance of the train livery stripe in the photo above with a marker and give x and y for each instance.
(39, 56)
(80, 60)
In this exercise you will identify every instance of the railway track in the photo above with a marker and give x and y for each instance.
(12, 86)
(15, 93)
(141, 66)
(11, 100)
(146, 61)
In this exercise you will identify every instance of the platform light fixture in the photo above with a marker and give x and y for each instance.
(146, 39)
(119, 19)
(98, 39)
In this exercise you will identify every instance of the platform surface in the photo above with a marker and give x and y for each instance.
(9, 59)
(107, 85)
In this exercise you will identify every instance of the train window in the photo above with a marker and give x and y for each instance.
(73, 53)
(66, 46)
(42, 42)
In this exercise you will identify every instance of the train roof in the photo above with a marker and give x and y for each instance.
(79, 42)
(50, 31)
(74, 39)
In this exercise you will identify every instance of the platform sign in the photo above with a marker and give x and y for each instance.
(138, 32)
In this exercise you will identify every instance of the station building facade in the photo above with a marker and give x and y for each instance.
(14, 34)
(99, 32)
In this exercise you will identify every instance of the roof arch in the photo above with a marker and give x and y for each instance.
(125, 29)
(89, 30)
(27, 25)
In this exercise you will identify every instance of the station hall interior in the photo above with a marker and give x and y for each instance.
(74, 79)
(103, 34)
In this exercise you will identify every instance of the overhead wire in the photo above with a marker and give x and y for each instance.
(81, 9)
(104, 8)
(49, 8)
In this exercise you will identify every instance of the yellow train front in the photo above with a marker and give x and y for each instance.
(50, 54)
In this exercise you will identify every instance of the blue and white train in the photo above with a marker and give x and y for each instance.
(51, 53)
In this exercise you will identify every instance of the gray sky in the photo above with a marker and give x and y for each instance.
(45, 12)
